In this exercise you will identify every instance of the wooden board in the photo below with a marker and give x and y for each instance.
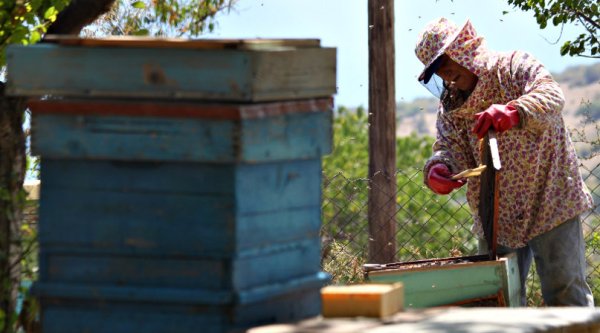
(300, 135)
(171, 73)
(362, 300)
(447, 284)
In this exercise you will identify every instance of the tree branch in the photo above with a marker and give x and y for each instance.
(583, 23)
(22, 255)
(588, 56)
(587, 18)
(77, 15)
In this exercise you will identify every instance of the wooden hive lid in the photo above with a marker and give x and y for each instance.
(183, 43)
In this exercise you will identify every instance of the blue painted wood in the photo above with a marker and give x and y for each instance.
(90, 308)
(257, 187)
(202, 220)
(177, 209)
(268, 265)
(301, 135)
(238, 75)
(137, 223)
(188, 296)
(128, 228)
(512, 281)
(77, 317)
(288, 136)
(132, 138)
(277, 227)
(138, 176)
(277, 186)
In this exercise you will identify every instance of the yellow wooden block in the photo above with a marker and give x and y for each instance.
(366, 300)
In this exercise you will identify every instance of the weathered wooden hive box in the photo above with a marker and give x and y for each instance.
(180, 203)
(465, 281)
(240, 70)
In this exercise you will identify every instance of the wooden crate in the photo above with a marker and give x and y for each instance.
(191, 132)
(223, 70)
(75, 308)
(453, 281)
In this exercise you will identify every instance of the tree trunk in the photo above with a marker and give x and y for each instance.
(382, 132)
(12, 174)
(78, 14)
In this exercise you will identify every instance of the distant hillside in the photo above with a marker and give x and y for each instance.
(417, 116)
(579, 76)
(580, 84)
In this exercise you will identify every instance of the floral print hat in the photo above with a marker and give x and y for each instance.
(461, 44)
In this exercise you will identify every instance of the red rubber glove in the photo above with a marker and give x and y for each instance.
(439, 180)
(500, 117)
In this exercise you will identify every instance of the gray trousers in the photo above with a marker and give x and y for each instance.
(559, 256)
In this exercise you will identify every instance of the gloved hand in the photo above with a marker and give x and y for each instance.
(439, 180)
(500, 117)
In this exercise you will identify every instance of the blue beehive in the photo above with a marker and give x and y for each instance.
(170, 215)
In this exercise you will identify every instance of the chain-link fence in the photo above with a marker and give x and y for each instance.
(428, 226)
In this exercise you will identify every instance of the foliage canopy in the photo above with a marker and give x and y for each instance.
(160, 18)
(560, 12)
(26, 22)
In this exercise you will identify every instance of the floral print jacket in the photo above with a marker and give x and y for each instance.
(540, 183)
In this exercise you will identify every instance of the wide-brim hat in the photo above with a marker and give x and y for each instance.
(433, 41)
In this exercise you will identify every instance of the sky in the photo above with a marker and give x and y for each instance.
(343, 24)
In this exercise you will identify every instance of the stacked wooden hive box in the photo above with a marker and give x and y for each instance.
(181, 180)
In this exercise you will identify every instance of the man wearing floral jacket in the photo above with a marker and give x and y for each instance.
(541, 190)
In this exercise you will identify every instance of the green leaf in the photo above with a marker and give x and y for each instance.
(556, 20)
(139, 5)
(564, 49)
(141, 32)
(50, 13)
(30, 18)
(59, 4)
(35, 37)
(19, 35)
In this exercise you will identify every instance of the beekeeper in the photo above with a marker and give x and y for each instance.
(541, 191)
